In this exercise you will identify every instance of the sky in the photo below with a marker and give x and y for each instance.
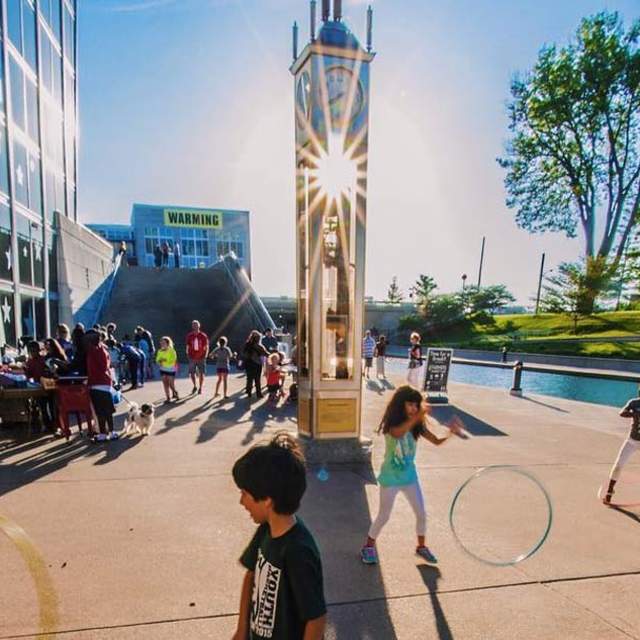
(190, 102)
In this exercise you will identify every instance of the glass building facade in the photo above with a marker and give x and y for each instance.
(204, 235)
(38, 157)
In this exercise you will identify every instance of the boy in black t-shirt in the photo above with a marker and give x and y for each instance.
(282, 593)
(629, 446)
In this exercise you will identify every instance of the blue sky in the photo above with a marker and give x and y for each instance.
(191, 102)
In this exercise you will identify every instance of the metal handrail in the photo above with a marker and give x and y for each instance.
(106, 294)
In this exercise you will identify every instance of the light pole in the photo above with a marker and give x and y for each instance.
(464, 280)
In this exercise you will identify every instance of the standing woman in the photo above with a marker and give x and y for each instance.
(414, 374)
(167, 361)
(99, 380)
(252, 355)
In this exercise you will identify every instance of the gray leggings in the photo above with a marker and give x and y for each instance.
(413, 493)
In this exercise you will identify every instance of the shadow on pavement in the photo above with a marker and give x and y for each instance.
(444, 414)
(336, 501)
(544, 404)
(430, 575)
(626, 512)
(23, 460)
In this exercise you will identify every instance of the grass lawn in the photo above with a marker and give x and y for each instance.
(553, 333)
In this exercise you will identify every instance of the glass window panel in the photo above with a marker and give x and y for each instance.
(7, 325)
(50, 194)
(13, 20)
(41, 319)
(57, 77)
(52, 255)
(17, 93)
(20, 182)
(29, 25)
(6, 259)
(71, 201)
(4, 164)
(53, 315)
(69, 37)
(60, 199)
(27, 316)
(24, 250)
(56, 18)
(32, 110)
(46, 52)
(35, 197)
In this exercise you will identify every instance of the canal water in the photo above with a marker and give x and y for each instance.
(608, 392)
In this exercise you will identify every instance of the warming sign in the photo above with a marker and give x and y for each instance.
(196, 218)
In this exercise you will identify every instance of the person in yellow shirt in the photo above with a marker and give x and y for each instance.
(167, 361)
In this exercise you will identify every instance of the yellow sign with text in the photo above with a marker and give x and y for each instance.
(195, 218)
(337, 415)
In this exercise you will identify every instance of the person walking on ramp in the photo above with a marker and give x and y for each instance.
(403, 423)
(629, 446)
(282, 593)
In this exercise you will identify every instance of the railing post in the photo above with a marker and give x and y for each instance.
(516, 386)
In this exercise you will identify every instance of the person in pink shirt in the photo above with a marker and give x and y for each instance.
(197, 350)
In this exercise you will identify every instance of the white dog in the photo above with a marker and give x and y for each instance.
(140, 418)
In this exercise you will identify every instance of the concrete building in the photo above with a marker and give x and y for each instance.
(204, 235)
(50, 266)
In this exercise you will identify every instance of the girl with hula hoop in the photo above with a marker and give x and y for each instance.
(403, 423)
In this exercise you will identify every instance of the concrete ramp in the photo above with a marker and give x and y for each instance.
(165, 302)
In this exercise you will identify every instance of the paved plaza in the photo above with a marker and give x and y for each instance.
(140, 538)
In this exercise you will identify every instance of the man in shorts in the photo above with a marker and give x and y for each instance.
(197, 350)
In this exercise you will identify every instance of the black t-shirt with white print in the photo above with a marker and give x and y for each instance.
(288, 587)
(634, 406)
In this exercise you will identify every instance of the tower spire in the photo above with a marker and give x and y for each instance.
(325, 10)
(337, 10)
(313, 20)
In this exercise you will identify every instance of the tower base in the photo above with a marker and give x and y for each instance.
(336, 450)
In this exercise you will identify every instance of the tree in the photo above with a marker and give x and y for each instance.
(445, 310)
(394, 294)
(489, 299)
(423, 289)
(566, 290)
(573, 156)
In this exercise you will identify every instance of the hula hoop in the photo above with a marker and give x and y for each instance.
(522, 556)
(622, 505)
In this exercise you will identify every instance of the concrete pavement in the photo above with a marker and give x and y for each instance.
(140, 537)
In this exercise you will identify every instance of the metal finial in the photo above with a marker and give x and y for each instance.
(295, 40)
(325, 10)
(313, 20)
(337, 10)
(369, 28)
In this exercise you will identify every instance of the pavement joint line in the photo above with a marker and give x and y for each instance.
(215, 616)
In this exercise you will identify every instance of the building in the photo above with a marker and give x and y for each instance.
(205, 235)
(49, 264)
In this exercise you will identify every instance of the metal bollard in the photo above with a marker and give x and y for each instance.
(516, 387)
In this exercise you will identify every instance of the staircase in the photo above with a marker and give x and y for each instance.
(166, 302)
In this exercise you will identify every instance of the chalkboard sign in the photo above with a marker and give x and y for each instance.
(437, 370)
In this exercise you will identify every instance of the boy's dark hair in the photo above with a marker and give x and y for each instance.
(274, 470)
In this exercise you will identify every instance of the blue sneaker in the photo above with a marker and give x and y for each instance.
(425, 554)
(369, 555)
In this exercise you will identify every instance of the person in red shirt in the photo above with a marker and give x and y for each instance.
(99, 380)
(197, 350)
(35, 366)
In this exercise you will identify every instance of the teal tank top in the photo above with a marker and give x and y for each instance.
(399, 466)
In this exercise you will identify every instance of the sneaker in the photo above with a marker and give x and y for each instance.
(425, 554)
(607, 499)
(369, 555)
(200, 391)
(167, 401)
(176, 396)
(194, 390)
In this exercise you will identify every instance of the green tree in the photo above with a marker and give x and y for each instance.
(445, 310)
(573, 156)
(489, 299)
(423, 290)
(394, 294)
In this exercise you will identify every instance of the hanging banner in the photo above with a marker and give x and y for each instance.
(437, 370)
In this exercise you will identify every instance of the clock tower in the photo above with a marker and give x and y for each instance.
(331, 92)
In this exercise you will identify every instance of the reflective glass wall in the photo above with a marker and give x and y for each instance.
(37, 156)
